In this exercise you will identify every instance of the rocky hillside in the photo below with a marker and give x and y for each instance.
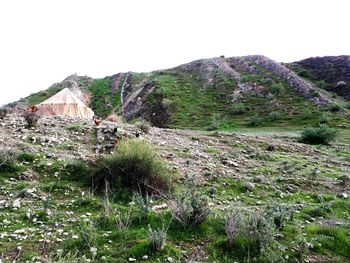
(216, 93)
(331, 73)
(46, 212)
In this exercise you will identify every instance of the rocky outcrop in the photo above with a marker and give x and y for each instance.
(334, 70)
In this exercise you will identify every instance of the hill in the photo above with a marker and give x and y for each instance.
(218, 93)
(249, 190)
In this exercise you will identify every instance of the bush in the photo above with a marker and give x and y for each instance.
(7, 160)
(275, 116)
(238, 109)
(143, 204)
(334, 107)
(134, 167)
(253, 231)
(279, 214)
(306, 114)
(321, 84)
(277, 89)
(234, 225)
(191, 208)
(255, 121)
(215, 122)
(144, 126)
(157, 238)
(318, 135)
(31, 119)
(324, 118)
(3, 113)
(315, 93)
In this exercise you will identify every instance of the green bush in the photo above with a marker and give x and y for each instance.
(334, 107)
(144, 126)
(215, 122)
(315, 93)
(7, 161)
(3, 113)
(306, 114)
(321, 84)
(275, 116)
(277, 89)
(135, 167)
(238, 109)
(255, 121)
(324, 118)
(191, 208)
(157, 238)
(250, 232)
(31, 119)
(318, 135)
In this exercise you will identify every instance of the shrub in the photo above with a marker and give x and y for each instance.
(279, 215)
(157, 238)
(306, 114)
(318, 135)
(234, 224)
(304, 73)
(191, 208)
(277, 89)
(321, 84)
(7, 160)
(324, 118)
(31, 119)
(334, 107)
(255, 121)
(215, 122)
(143, 203)
(238, 109)
(133, 167)
(253, 231)
(275, 116)
(315, 93)
(3, 113)
(144, 126)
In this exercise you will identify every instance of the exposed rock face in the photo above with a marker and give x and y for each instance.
(332, 69)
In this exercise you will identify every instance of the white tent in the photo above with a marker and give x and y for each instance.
(65, 103)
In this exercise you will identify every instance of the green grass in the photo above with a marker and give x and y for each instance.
(104, 100)
(41, 96)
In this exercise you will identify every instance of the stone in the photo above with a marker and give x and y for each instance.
(132, 259)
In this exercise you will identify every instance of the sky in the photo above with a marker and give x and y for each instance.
(44, 41)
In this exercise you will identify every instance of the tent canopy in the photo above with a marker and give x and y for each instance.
(65, 103)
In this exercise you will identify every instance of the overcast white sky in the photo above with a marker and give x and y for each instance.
(44, 41)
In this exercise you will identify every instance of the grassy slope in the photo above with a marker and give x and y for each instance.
(197, 105)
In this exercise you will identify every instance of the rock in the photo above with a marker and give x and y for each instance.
(170, 259)
(17, 203)
(271, 148)
(345, 179)
(248, 186)
(229, 163)
(344, 195)
(132, 259)
(145, 257)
